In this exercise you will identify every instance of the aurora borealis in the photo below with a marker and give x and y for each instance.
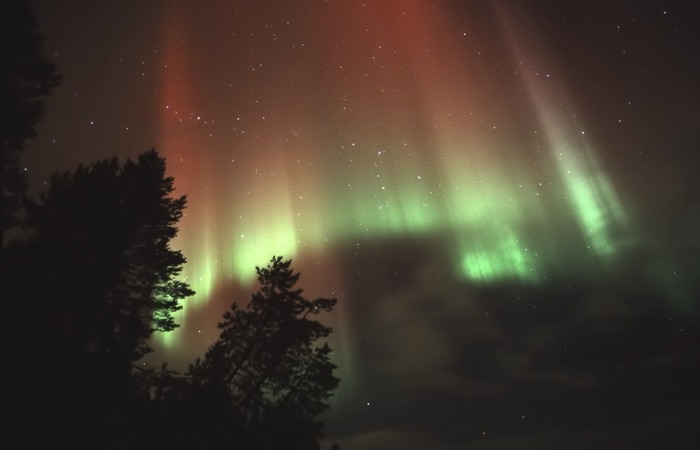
(500, 194)
(384, 151)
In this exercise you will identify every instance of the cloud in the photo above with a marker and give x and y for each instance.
(445, 359)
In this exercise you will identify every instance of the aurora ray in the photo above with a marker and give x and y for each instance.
(392, 149)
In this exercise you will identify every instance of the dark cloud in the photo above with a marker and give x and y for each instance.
(558, 359)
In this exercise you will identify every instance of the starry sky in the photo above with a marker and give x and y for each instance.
(502, 195)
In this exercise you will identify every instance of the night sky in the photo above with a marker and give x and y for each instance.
(503, 196)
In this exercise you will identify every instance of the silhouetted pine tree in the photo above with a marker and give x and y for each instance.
(91, 285)
(270, 362)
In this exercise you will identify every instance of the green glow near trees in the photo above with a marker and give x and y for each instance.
(501, 222)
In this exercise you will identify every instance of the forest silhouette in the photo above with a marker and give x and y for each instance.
(87, 275)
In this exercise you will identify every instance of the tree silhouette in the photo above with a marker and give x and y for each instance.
(103, 232)
(26, 77)
(268, 360)
(89, 288)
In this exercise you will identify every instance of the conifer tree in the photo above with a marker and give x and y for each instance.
(271, 358)
(102, 262)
